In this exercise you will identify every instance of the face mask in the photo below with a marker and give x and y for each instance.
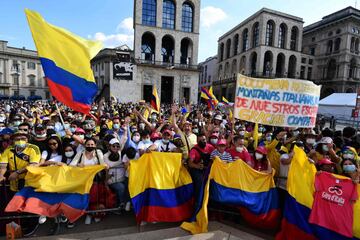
(239, 149)
(242, 133)
(325, 148)
(165, 141)
(237, 127)
(17, 123)
(142, 126)
(214, 141)
(89, 149)
(20, 144)
(89, 135)
(66, 126)
(349, 168)
(72, 130)
(50, 127)
(136, 139)
(147, 141)
(202, 144)
(69, 154)
(310, 141)
(195, 130)
(116, 126)
(296, 133)
(81, 136)
(153, 117)
(258, 156)
(41, 135)
(348, 156)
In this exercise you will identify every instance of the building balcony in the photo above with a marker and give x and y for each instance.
(167, 65)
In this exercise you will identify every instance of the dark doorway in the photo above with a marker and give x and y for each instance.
(147, 92)
(186, 92)
(167, 85)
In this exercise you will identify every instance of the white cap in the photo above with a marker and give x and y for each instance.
(113, 141)
(218, 117)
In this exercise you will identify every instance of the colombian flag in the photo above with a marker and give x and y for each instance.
(55, 190)
(209, 96)
(160, 188)
(65, 59)
(239, 185)
(299, 201)
(155, 101)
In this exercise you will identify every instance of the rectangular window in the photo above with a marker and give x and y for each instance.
(31, 65)
(32, 93)
(149, 12)
(16, 79)
(302, 72)
(102, 66)
(312, 51)
(168, 15)
(309, 73)
(310, 61)
(32, 80)
(303, 60)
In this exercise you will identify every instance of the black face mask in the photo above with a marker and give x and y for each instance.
(202, 144)
(89, 149)
(114, 156)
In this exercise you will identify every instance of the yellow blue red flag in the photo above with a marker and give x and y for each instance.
(55, 190)
(65, 59)
(160, 188)
(239, 185)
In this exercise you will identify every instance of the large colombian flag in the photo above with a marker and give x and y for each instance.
(155, 101)
(55, 190)
(237, 184)
(160, 188)
(65, 59)
(299, 201)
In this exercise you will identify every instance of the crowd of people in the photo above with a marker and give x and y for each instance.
(34, 133)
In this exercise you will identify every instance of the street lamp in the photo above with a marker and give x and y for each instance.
(16, 67)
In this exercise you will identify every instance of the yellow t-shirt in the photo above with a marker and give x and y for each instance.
(31, 154)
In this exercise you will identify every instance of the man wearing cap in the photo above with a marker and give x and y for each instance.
(5, 138)
(16, 158)
(40, 136)
(164, 144)
(326, 165)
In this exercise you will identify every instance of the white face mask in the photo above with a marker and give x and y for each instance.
(142, 126)
(348, 156)
(81, 136)
(258, 156)
(136, 139)
(296, 133)
(325, 148)
(242, 133)
(239, 149)
(310, 141)
(69, 154)
(214, 141)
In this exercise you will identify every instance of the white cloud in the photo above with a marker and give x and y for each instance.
(211, 15)
(124, 34)
(126, 24)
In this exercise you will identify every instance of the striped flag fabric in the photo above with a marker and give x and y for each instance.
(155, 101)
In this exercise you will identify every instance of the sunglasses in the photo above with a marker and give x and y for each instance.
(23, 129)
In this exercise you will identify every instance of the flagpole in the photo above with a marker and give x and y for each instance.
(61, 118)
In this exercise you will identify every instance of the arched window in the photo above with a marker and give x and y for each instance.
(168, 14)
(220, 72)
(268, 62)
(186, 51)
(269, 39)
(167, 49)
(253, 60)
(357, 45)
(280, 65)
(234, 67)
(236, 44)
(227, 70)
(329, 46)
(242, 65)
(282, 36)
(149, 12)
(337, 44)
(292, 67)
(148, 47)
(293, 38)
(255, 36)
(331, 69)
(221, 52)
(352, 45)
(352, 69)
(187, 17)
(31, 80)
(245, 40)
(228, 48)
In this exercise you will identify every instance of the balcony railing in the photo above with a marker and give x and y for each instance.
(168, 65)
(255, 75)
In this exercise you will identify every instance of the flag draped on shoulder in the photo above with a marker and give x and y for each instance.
(55, 190)
(299, 202)
(160, 188)
(239, 185)
(65, 59)
(155, 101)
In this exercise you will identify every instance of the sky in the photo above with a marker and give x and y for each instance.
(111, 21)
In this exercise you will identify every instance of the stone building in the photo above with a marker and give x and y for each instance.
(166, 36)
(208, 72)
(267, 44)
(21, 73)
(334, 42)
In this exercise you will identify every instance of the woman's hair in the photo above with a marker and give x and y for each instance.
(89, 139)
(59, 146)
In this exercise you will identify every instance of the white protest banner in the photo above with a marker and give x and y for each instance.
(277, 102)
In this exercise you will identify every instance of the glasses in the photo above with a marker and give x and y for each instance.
(115, 146)
(53, 144)
(23, 129)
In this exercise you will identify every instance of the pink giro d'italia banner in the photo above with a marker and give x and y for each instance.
(277, 102)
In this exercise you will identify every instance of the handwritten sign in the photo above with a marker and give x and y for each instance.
(277, 102)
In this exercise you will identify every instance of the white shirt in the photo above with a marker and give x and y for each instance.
(116, 169)
(143, 146)
(162, 147)
(54, 157)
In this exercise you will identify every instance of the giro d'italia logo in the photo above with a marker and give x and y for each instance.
(335, 189)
